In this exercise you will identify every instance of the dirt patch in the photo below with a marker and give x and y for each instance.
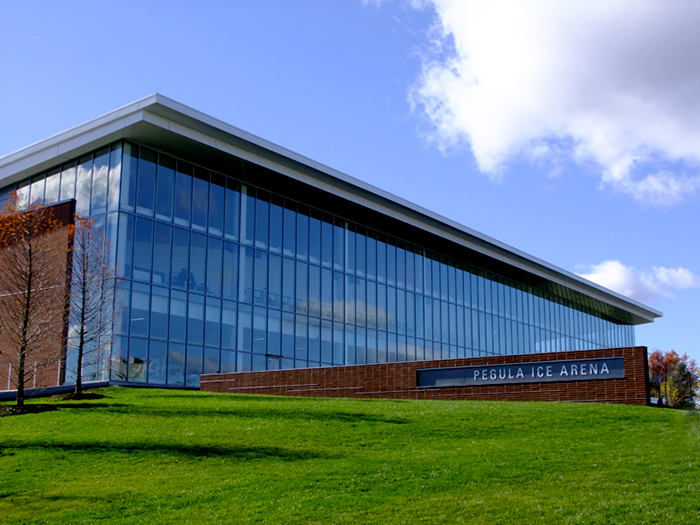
(14, 410)
(75, 397)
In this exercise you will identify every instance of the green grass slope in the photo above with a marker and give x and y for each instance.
(159, 456)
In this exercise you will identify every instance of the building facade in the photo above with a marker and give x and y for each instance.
(237, 255)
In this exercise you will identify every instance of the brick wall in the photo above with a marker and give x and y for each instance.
(43, 367)
(398, 381)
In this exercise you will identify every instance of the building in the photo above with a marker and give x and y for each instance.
(238, 255)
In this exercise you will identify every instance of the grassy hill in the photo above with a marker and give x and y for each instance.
(160, 456)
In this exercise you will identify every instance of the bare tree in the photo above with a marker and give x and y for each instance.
(92, 296)
(34, 269)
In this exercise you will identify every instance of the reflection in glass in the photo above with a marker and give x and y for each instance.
(83, 186)
(217, 206)
(228, 362)
(200, 199)
(157, 359)
(314, 290)
(214, 269)
(274, 295)
(195, 319)
(326, 344)
(140, 307)
(183, 193)
(230, 271)
(400, 266)
(338, 344)
(67, 181)
(143, 249)
(212, 328)
(99, 181)
(382, 355)
(276, 221)
(176, 364)
(232, 219)
(115, 168)
(290, 228)
(262, 220)
(166, 187)
(159, 313)
(288, 283)
(302, 288)
(36, 192)
(361, 252)
(138, 360)
(315, 236)
(146, 186)
(53, 185)
(260, 279)
(161, 254)
(247, 214)
(229, 315)
(302, 252)
(211, 361)
(198, 257)
(300, 338)
(180, 261)
(245, 327)
(130, 164)
(371, 255)
(274, 333)
(194, 365)
(288, 335)
(339, 244)
(391, 262)
(259, 330)
(327, 241)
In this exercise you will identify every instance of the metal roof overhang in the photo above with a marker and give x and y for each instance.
(164, 124)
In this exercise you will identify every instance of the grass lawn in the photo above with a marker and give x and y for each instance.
(160, 456)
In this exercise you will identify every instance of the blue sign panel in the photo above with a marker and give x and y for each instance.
(534, 372)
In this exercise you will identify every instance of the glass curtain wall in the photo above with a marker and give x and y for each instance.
(219, 276)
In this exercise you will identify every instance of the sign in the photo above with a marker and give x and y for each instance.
(513, 373)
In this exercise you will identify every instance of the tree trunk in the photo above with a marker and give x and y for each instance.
(79, 372)
(25, 328)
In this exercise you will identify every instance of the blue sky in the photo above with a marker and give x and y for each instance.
(568, 130)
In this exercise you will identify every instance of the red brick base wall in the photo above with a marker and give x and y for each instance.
(398, 380)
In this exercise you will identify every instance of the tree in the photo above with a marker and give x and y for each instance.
(659, 365)
(92, 297)
(33, 289)
(675, 378)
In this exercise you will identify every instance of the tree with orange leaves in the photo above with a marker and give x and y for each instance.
(675, 378)
(33, 289)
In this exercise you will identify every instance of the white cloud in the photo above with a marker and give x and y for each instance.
(644, 286)
(610, 83)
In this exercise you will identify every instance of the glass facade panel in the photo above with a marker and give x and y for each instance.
(217, 199)
(53, 181)
(100, 181)
(162, 254)
(183, 193)
(146, 183)
(165, 188)
(67, 182)
(200, 199)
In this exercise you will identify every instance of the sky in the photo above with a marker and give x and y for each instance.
(568, 130)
